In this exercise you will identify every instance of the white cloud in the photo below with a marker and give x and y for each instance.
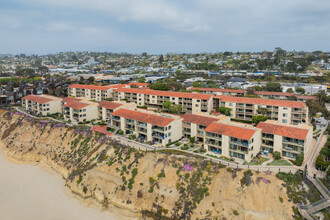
(166, 14)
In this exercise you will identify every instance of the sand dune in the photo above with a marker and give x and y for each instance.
(28, 192)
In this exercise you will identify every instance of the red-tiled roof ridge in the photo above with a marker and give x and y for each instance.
(273, 93)
(75, 105)
(231, 130)
(198, 119)
(143, 117)
(70, 99)
(218, 89)
(259, 101)
(138, 84)
(79, 86)
(166, 93)
(38, 99)
(287, 131)
(109, 105)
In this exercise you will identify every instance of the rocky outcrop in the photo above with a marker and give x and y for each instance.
(162, 185)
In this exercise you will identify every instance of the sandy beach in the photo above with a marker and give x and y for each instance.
(28, 192)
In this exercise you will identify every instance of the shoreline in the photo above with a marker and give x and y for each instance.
(111, 211)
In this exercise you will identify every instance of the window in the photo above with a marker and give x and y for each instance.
(169, 127)
(285, 108)
(198, 100)
(230, 104)
(196, 105)
(173, 98)
(285, 114)
(153, 96)
(169, 134)
(84, 110)
(284, 121)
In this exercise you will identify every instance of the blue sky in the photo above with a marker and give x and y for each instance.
(159, 26)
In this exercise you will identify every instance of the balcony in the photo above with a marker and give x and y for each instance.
(158, 135)
(142, 125)
(242, 143)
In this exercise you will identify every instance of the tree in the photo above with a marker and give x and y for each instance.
(292, 98)
(142, 80)
(91, 79)
(300, 90)
(273, 87)
(250, 90)
(161, 59)
(289, 90)
(158, 86)
(258, 118)
(322, 97)
(43, 69)
(299, 159)
(257, 88)
(263, 111)
(224, 111)
(277, 155)
(199, 84)
(81, 80)
(167, 104)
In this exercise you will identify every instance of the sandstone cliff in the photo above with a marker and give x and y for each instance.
(160, 185)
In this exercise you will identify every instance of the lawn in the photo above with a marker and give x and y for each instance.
(257, 161)
(279, 163)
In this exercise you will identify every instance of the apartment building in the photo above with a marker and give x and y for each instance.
(91, 92)
(106, 108)
(289, 112)
(42, 104)
(147, 126)
(193, 125)
(79, 109)
(289, 140)
(190, 102)
(283, 96)
(217, 91)
(230, 139)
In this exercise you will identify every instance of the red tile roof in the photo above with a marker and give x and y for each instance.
(70, 99)
(257, 101)
(166, 93)
(75, 105)
(38, 99)
(218, 90)
(198, 119)
(287, 131)
(231, 130)
(109, 105)
(101, 129)
(306, 97)
(117, 86)
(143, 117)
(138, 84)
(273, 93)
(78, 86)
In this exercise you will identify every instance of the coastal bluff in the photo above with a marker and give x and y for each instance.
(155, 185)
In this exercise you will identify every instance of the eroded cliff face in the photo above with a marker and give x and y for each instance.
(162, 185)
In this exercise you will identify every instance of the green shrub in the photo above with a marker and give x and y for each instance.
(281, 199)
(277, 155)
(235, 212)
(299, 159)
(120, 132)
